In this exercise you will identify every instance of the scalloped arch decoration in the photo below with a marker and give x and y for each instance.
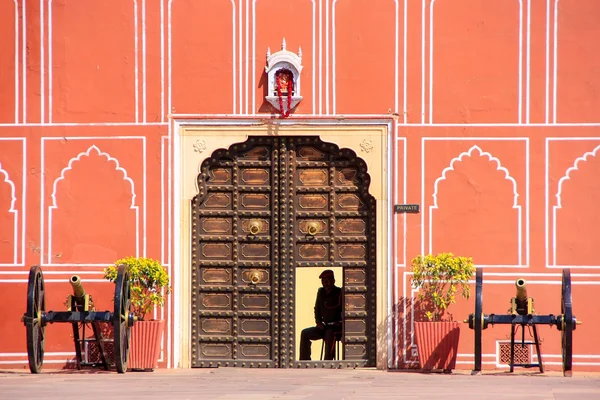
(482, 153)
(567, 175)
(13, 200)
(87, 153)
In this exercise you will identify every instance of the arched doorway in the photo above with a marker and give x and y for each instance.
(267, 210)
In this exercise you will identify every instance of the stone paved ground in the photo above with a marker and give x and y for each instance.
(265, 384)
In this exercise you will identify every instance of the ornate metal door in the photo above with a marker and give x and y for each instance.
(266, 207)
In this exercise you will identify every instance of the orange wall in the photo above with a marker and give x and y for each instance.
(497, 128)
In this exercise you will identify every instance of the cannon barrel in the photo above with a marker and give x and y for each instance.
(521, 285)
(78, 290)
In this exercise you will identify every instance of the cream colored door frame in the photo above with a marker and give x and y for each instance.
(196, 140)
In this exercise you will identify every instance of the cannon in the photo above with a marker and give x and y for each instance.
(522, 313)
(80, 313)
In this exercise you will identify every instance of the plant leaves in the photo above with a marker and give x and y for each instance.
(149, 283)
(438, 279)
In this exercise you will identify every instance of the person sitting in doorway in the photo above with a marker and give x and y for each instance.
(328, 318)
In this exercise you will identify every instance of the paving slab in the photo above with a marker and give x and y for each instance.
(295, 384)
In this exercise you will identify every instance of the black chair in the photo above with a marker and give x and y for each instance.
(337, 342)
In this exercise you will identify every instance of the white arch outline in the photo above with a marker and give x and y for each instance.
(558, 195)
(506, 176)
(87, 153)
(14, 211)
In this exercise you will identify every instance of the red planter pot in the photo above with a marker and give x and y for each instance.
(437, 344)
(144, 348)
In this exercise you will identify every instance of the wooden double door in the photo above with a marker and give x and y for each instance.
(265, 209)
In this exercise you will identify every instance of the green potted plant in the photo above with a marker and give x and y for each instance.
(439, 279)
(149, 283)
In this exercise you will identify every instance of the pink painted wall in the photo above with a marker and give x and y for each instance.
(496, 133)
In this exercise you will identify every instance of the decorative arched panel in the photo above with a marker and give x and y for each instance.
(8, 220)
(90, 221)
(575, 214)
(478, 186)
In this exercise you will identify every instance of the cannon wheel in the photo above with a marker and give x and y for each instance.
(34, 326)
(121, 319)
(566, 309)
(478, 322)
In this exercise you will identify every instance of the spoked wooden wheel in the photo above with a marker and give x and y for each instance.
(566, 309)
(34, 324)
(478, 322)
(122, 319)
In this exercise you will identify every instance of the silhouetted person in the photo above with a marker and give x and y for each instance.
(328, 317)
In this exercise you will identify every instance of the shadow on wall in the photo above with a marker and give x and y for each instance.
(408, 309)
(265, 106)
(383, 339)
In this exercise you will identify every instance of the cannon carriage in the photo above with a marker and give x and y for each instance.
(522, 313)
(81, 314)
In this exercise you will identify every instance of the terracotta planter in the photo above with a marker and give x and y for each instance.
(144, 348)
(437, 344)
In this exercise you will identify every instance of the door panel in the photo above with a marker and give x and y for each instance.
(232, 253)
(266, 207)
(331, 187)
